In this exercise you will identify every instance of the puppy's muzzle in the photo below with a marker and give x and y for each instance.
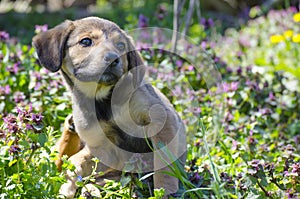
(112, 59)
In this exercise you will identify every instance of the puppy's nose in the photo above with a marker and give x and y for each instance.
(112, 59)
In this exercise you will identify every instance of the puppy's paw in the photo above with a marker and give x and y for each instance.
(90, 191)
(68, 190)
(69, 124)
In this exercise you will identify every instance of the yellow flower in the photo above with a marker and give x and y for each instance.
(288, 34)
(297, 17)
(276, 39)
(296, 38)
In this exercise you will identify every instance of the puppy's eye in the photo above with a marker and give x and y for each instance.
(85, 42)
(121, 46)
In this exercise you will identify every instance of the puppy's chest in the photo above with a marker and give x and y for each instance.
(118, 133)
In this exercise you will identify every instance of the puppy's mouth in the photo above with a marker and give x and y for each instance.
(108, 78)
(111, 74)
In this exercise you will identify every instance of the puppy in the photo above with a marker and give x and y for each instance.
(117, 114)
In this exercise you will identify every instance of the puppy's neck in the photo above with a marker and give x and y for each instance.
(103, 91)
(88, 89)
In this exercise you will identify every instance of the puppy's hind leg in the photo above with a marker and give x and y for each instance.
(69, 142)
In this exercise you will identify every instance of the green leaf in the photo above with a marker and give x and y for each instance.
(42, 139)
(128, 167)
(159, 193)
(12, 162)
(125, 180)
(38, 127)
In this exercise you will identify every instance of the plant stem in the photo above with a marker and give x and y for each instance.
(30, 156)
(264, 190)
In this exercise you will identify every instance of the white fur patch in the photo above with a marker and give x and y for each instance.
(103, 92)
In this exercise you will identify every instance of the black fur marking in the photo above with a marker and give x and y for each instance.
(103, 108)
(131, 143)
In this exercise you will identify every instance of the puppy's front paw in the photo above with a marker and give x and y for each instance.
(68, 189)
(90, 191)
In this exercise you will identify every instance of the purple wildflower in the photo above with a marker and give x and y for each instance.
(239, 70)
(37, 86)
(297, 140)
(204, 44)
(14, 69)
(251, 132)
(234, 86)
(143, 21)
(14, 149)
(289, 149)
(234, 145)
(37, 118)
(161, 12)
(195, 178)
(254, 164)
(24, 114)
(265, 111)
(196, 110)
(29, 127)
(189, 68)
(244, 41)
(207, 23)
(5, 90)
(296, 168)
(291, 194)
(19, 97)
(179, 63)
(251, 140)
(225, 87)
(239, 54)
(41, 28)
(249, 69)
(4, 36)
(228, 70)
(271, 96)
(11, 123)
(177, 91)
(10, 119)
(37, 75)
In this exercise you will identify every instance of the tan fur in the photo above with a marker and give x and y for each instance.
(68, 144)
(139, 108)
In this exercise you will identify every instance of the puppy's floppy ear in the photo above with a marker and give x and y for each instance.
(133, 56)
(135, 64)
(50, 45)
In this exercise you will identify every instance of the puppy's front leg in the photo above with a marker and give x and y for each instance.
(167, 150)
(83, 167)
(168, 137)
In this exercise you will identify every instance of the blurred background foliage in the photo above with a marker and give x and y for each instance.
(18, 17)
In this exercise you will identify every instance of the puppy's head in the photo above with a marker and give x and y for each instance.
(88, 50)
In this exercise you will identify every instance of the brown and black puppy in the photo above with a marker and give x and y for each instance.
(116, 113)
